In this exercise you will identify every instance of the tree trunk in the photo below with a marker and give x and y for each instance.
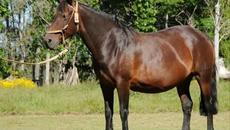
(166, 20)
(217, 36)
(22, 66)
(12, 15)
(12, 54)
(22, 48)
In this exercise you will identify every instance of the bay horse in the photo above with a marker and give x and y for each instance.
(125, 60)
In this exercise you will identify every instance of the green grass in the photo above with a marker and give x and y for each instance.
(87, 98)
(81, 107)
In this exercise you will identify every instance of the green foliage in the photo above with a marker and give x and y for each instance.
(3, 8)
(139, 13)
(4, 66)
(3, 12)
(224, 51)
(167, 7)
(84, 61)
(144, 15)
(206, 25)
(93, 3)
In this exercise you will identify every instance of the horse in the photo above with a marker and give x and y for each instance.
(124, 59)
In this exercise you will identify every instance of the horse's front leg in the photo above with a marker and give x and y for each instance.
(108, 94)
(123, 95)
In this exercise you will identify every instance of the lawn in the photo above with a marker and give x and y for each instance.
(80, 107)
(87, 98)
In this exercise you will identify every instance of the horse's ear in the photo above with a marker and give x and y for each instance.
(70, 2)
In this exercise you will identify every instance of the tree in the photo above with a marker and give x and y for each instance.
(219, 11)
(225, 32)
(217, 35)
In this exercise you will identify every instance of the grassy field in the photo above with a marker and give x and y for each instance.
(87, 98)
(81, 108)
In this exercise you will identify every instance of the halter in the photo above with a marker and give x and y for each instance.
(74, 14)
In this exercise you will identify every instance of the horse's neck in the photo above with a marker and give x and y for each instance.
(93, 29)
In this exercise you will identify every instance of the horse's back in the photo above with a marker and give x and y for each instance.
(190, 44)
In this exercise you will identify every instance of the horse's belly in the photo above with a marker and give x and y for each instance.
(157, 82)
(162, 79)
(138, 87)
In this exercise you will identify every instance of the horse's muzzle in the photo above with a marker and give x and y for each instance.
(51, 42)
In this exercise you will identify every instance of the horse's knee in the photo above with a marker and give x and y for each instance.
(108, 111)
(124, 113)
(187, 106)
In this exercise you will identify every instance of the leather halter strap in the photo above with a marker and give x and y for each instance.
(76, 21)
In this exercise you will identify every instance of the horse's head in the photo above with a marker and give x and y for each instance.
(64, 25)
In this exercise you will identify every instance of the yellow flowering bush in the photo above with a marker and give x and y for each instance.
(17, 83)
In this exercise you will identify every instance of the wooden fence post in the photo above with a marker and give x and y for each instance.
(37, 69)
(47, 72)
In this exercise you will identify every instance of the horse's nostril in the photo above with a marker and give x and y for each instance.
(49, 40)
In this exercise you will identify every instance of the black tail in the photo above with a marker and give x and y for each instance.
(210, 106)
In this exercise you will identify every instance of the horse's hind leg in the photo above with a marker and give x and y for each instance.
(208, 103)
(205, 103)
(186, 101)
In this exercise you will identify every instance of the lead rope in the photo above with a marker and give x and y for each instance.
(39, 63)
